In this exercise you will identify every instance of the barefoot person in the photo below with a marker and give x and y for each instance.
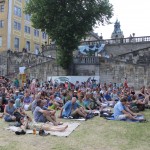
(26, 123)
(73, 109)
(41, 115)
(9, 111)
(121, 111)
(49, 127)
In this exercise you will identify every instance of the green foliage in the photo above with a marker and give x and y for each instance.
(68, 21)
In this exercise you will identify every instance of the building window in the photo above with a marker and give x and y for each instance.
(28, 45)
(1, 23)
(27, 17)
(17, 25)
(17, 11)
(1, 8)
(36, 32)
(27, 29)
(0, 41)
(44, 35)
(16, 43)
(36, 49)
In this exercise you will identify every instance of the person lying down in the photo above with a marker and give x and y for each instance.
(26, 123)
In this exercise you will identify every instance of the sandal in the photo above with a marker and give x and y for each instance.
(22, 132)
(42, 133)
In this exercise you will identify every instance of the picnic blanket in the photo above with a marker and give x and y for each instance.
(79, 119)
(71, 127)
(82, 119)
(128, 120)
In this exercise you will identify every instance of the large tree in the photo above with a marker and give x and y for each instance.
(68, 21)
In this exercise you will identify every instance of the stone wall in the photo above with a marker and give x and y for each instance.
(117, 71)
(118, 49)
(130, 60)
(44, 70)
(138, 57)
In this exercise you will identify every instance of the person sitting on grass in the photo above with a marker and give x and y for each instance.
(34, 103)
(72, 109)
(27, 101)
(1, 105)
(81, 103)
(114, 95)
(19, 102)
(122, 112)
(88, 101)
(9, 111)
(53, 103)
(41, 115)
(108, 100)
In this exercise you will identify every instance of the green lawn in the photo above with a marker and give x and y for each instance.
(94, 134)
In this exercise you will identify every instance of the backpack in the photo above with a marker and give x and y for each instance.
(18, 116)
(105, 114)
(134, 109)
(141, 107)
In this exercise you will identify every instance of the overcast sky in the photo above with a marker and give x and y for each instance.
(134, 17)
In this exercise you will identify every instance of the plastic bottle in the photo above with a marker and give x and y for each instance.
(34, 131)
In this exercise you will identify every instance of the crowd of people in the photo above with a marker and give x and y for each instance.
(76, 101)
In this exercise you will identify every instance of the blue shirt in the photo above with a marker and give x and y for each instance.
(107, 97)
(10, 110)
(68, 107)
(118, 108)
(27, 100)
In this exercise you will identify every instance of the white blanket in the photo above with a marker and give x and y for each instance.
(71, 127)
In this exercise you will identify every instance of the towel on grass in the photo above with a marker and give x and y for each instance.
(83, 119)
(128, 120)
(71, 127)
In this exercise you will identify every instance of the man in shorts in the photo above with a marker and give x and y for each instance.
(122, 112)
(72, 109)
(41, 115)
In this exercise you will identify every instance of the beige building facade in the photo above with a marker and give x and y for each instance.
(16, 31)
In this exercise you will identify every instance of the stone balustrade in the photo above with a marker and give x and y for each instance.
(88, 60)
(119, 40)
(51, 49)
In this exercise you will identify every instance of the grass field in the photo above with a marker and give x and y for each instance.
(94, 134)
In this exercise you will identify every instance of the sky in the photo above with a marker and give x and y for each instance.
(133, 15)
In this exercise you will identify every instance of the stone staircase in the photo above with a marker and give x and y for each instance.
(11, 61)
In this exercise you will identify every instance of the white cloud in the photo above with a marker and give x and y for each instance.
(133, 16)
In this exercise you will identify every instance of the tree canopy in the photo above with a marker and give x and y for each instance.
(68, 21)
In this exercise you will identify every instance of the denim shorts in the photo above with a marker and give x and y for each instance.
(8, 118)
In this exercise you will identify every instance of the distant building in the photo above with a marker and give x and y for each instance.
(117, 33)
(16, 31)
(92, 36)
